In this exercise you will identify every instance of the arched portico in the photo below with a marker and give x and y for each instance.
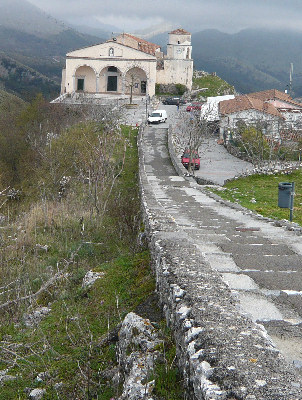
(85, 79)
(110, 80)
(136, 81)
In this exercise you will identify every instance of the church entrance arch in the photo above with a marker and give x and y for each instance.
(136, 81)
(85, 79)
(110, 80)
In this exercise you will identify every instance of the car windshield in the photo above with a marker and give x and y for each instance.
(187, 155)
(155, 115)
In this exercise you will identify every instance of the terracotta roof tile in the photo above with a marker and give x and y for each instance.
(180, 32)
(246, 102)
(143, 45)
(270, 95)
(274, 94)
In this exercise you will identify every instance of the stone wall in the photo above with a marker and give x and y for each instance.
(221, 353)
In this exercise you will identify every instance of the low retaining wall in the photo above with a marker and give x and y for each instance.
(221, 353)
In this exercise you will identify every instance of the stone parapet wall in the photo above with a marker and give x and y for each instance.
(221, 353)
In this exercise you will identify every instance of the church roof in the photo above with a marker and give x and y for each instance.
(137, 43)
(180, 31)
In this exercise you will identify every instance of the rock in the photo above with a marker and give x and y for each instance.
(42, 248)
(58, 385)
(137, 353)
(42, 377)
(6, 378)
(90, 278)
(36, 316)
(37, 394)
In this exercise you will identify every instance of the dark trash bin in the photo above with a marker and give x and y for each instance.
(284, 194)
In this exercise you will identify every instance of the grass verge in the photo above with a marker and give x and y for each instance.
(260, 194)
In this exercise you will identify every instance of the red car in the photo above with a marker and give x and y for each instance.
(193, 155)
(194, 106)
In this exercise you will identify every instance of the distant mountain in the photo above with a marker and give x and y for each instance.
(96, 32)
(154, 31)
(251, 59)
(24, 81)
(35, 44)
(25, 17)
(92, 26)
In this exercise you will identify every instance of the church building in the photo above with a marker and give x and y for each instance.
(127, 64)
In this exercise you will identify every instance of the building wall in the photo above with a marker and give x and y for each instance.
(250, 117)
(176, 71)
(63, 81)
(92, 64)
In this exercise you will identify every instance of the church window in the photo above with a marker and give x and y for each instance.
(178, 41)
(188, 52)
(111, 52)
(112, 69)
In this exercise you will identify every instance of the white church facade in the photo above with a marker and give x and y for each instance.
(127, 64)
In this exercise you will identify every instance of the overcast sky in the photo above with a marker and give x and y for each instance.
(194, 15)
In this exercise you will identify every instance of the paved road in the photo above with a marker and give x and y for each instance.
(216, 164)
(261, 263)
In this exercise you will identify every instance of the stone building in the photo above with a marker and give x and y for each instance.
(275, 111)
(127, 64)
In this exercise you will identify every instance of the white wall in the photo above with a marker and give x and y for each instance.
(176, 71)
(250, 117)
(96, 58)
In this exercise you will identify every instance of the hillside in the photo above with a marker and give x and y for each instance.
(33, 47)
(211, 86)
(24, 81)
(9, 102)
(251, 59)
(74, 260)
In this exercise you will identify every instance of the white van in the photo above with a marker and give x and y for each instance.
(157, 116)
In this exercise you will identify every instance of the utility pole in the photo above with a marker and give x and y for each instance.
(291, 72)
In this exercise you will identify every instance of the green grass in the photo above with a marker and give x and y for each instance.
(215, 86)
(168, 382)
(66, 343)
(260, 194)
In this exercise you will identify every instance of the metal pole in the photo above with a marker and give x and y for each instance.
(292, 194)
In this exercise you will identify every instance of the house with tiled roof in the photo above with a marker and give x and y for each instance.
(277, 98)
(127, 63)
(249, 111)
(272, 109)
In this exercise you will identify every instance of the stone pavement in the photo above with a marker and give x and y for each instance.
(259, 264)
(217, 164)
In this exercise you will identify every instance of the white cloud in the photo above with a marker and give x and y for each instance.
(226, 15)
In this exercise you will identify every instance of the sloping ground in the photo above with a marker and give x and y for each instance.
(223, 274)
(25, 81)
(9, 102)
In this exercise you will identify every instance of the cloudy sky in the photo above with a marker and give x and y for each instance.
(194, 15)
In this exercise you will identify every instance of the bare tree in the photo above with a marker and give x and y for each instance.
(135, 81)
(191, 131)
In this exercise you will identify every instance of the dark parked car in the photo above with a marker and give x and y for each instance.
(174, 100)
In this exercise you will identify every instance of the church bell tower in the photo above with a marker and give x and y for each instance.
(179, 46)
